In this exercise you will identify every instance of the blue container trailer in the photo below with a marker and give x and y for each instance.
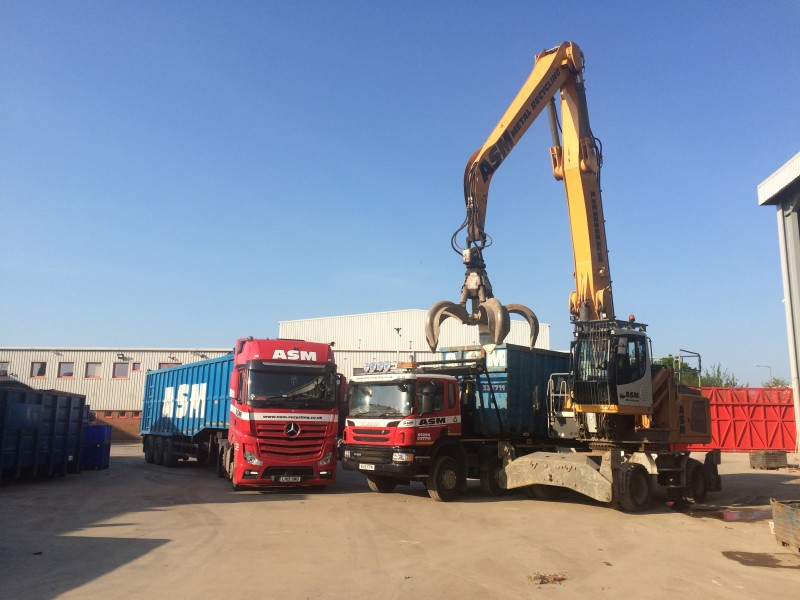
(41, 432)
(189, 405)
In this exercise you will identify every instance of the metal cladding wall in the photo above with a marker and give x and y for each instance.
(103, 392)
(40, 432)
(188, 399)
(519, 378)
(374, 337)
(747, 419)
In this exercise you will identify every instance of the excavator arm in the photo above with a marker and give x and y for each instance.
(576, 161)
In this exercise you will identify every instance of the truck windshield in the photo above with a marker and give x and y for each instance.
(381, 399)
(299, 389)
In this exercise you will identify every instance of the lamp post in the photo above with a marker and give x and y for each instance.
(770, 371)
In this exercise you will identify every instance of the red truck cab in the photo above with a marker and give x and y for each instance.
(284, 401)
(403, 426)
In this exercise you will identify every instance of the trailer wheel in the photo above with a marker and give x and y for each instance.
(635, 496)
(149, 451)
(444, 481)
(169, 460)
(381, 485)
(158, 450)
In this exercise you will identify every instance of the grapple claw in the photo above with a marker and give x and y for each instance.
(493, 324)
(438, 313)
(491, 317)
(530, 317)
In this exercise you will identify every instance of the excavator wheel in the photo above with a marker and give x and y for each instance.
(381, 485)
(547, 493)
(696, 490)
(636, 494)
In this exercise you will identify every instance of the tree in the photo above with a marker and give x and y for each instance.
(776, 382)
(716, 376)
(685, 374)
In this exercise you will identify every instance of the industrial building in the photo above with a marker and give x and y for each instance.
(112, 379)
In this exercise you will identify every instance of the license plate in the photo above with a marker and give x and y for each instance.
(290, 479)
(364, 467)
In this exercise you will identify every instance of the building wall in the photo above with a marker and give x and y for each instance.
(117, 401)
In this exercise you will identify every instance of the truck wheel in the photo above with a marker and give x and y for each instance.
(158, 450)
(231, 468)
(149, 454)
(489, 482)
(381, 485)
(221, 472)
(635, 497)
(169, 458)
(444, 481)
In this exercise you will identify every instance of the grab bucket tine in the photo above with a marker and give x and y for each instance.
(530, 317)
(437, 314)
(494, 323)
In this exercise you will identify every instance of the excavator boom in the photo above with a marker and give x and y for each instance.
(576, 161)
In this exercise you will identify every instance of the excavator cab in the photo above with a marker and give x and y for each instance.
(611, 380)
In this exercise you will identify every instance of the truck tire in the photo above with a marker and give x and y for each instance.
(158, 450)
(169, 458)
(444, 483)
(635, 497)
(221, 471)
(489, 482)
(381, 485)
(231, 454)
(149, 451)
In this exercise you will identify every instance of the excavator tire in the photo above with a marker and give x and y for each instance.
(381, 485)
(547, 493)
(636, 495)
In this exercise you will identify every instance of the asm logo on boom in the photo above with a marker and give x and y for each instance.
(294, 355)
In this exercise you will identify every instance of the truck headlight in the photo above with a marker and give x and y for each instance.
(347, 453)
(250, 457)
(326, 460)
(402, 457)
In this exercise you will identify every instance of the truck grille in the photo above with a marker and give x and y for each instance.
(275, 440)
(378, 456)
(371, 435)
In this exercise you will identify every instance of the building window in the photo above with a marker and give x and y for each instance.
(66, 369)
(93, 370)
(137, 414)
(120, 370)
(109, 414)
(123, 414)
(4, 367)
(38, 369)
(136, 367)
(167, 365)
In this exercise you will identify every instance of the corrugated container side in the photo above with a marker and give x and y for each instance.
(519, 378)
(41, 432)
(200, 392)
(96, 451)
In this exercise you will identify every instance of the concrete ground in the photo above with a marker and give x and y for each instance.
(143, 531)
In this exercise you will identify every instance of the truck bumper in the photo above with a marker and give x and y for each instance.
(379, 461)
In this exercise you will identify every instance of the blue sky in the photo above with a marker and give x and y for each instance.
(184, 173)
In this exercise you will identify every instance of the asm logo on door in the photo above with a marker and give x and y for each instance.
(294, 355)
